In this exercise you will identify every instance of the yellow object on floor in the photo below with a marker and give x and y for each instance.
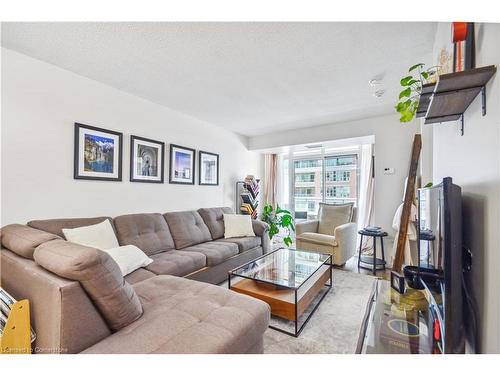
(16, 338)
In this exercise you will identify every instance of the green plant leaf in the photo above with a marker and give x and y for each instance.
(281, 211)
(404, 81)
(428, 185)
(415, 67)
(405, 93)
(425, 75)
(287, 241)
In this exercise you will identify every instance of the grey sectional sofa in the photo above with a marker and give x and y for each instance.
(163, 308)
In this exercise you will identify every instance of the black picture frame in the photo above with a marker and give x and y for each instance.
(77, 174)
(171, 165)
(161, 158)
(200, 167)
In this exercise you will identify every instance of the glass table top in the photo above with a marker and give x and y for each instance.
(398, 323)
(283, 267)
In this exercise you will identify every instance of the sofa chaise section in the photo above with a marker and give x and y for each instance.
(186, 316)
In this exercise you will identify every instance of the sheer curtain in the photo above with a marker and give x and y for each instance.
(366, 189)
(270, 179)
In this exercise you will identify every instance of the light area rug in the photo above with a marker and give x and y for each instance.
(335, 326)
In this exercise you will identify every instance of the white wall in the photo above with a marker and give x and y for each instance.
(41, 102)
(473, 161)
(393, 143)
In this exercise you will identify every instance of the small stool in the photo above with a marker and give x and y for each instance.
(374, 262)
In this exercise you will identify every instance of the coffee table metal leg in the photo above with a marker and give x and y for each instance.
(360, 246)
(298, 329)
(383, 255)
(296, 314)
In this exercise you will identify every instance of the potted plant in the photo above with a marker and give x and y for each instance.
(278, 219)
(412, 89)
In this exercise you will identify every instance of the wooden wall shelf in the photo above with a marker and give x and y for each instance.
(449, 98)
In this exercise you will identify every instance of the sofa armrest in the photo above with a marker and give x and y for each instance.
(307, 226)
(345, 236)
(261, 229)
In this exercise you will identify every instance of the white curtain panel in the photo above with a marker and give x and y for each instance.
(366, 190)
(270, 179)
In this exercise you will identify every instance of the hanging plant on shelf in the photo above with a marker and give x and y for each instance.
(277, 219)
(412, 89)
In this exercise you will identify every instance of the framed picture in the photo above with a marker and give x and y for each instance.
(182, 160)
(98, 153)
(146, 160)
(208, 172)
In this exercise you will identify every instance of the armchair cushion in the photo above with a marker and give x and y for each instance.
(318, 238)
(307, 226)
(333, 215)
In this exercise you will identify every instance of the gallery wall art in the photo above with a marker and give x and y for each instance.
(208, 168)
(182, 165)
(98, 153)
(146, 160)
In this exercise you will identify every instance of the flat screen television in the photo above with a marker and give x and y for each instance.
(440, 261)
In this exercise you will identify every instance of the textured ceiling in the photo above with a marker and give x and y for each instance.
(251, 78)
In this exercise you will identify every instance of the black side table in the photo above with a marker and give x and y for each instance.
(372, 263)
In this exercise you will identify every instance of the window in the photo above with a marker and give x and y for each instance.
(341, 160)
(338, 192)
(304, 192)
(335, 176)
(331, 178)
(311, 206)
(307, 164)
(304, 177)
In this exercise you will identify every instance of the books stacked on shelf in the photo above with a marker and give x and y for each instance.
(249, 195)
(252, 185)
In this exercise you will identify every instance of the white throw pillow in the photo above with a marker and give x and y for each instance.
(100, 236)
(238, 226)
(129, 258)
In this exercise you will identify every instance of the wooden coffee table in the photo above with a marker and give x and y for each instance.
(288, 280)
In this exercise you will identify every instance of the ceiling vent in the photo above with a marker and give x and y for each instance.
(317, 145)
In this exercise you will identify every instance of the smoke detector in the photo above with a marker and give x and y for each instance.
(379, 93)
(375, 82)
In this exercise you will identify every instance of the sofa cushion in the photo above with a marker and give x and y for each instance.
(201, 318)
(214, 219)
(98, 274)
(187, 228)
(138, 275)
(238, 226)
(318, 238)
(244, 243)
(215, 251)
(177, 262)
(23, 240)
(149, 232)
(332, 215)
(56, 226)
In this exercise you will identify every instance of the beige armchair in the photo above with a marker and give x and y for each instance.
(335, 232)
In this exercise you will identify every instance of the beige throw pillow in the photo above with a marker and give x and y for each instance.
(129, 258)
(238, 226)
(333, 215)
(100, 236)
